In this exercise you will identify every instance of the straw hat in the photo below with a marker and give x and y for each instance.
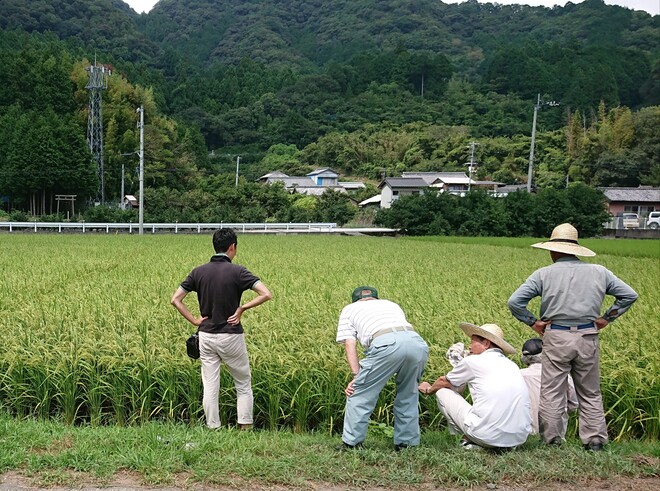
(492, 332)
(564, 239)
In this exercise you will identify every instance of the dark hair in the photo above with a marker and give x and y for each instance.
(482, 339)
(224, 238)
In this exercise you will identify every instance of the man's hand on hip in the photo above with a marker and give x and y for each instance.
(349, 388)
(539, 326)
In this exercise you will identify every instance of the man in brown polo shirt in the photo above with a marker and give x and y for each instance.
(219, 285)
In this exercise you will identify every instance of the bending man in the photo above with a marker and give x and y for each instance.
(391, 347)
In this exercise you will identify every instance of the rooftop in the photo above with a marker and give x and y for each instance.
(642, 194)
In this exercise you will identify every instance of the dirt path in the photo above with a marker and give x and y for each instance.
(12, 481)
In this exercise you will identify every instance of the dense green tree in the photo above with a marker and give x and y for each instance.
(369, 88)
(518, 214)
(335, 207)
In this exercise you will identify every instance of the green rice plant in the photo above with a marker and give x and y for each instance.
(91, 337)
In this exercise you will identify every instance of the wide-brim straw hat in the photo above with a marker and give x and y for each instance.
(492, 332)
(564, 239)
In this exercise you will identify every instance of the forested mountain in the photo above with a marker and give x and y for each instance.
(308, 33)
(368, 87)
(105, 26)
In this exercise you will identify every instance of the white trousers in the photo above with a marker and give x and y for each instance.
(455, 409)
(230, 349)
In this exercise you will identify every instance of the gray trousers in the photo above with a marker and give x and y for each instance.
(576, 353)
(402, 353)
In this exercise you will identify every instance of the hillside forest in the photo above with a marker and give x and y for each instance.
(369, 88)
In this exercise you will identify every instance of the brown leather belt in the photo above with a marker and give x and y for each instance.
(388, 330)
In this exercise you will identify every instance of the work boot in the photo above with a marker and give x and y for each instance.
(345, 447)
(594, 447)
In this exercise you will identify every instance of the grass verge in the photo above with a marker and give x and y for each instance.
(51, 453)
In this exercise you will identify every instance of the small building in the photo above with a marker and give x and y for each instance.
(641, 200)
(392, 188)
(292, 183)
(431, 177)
(314, 183)
(351, 185)
(130, 201)
(505, 190)
(324, 177)
(373, 201)
(317, 190)
(272, 176)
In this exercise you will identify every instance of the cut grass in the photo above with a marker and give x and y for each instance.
(51, 453)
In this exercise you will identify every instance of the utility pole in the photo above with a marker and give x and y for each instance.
(531, 150)
(141, 154)
(238, 159)
(471, 165)
(121, 201)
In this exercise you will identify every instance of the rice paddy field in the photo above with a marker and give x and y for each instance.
(89, 336)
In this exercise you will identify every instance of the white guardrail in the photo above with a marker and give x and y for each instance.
(132, 228)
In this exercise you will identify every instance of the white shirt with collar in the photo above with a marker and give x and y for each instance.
(500, 413)
(362, 319)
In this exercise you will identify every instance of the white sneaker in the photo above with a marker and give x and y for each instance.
(468, 445)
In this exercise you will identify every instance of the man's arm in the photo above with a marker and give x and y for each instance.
(263, 295)
(177, 301)
(518, 304)
(625, 296)
(350, 347)
(442, 383)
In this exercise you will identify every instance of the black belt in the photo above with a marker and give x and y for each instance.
(568, 328)
(388, 330)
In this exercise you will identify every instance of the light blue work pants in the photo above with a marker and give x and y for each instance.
(403, 353)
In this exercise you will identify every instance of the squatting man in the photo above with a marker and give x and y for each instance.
(499, 417)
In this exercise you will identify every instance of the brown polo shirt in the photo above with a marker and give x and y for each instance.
(219, 285)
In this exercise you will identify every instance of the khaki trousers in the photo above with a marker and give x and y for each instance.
(230, 349)
(576, 353)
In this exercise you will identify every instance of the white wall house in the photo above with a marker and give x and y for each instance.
(324, 177)
(393, 188)
(316, 182)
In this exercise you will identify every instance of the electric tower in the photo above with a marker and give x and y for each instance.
(98, 81)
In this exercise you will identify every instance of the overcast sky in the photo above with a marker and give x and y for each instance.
(651, 6)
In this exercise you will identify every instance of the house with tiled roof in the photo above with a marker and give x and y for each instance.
(315, 183)
(324, 177)
(641, 200)
(392, 188)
